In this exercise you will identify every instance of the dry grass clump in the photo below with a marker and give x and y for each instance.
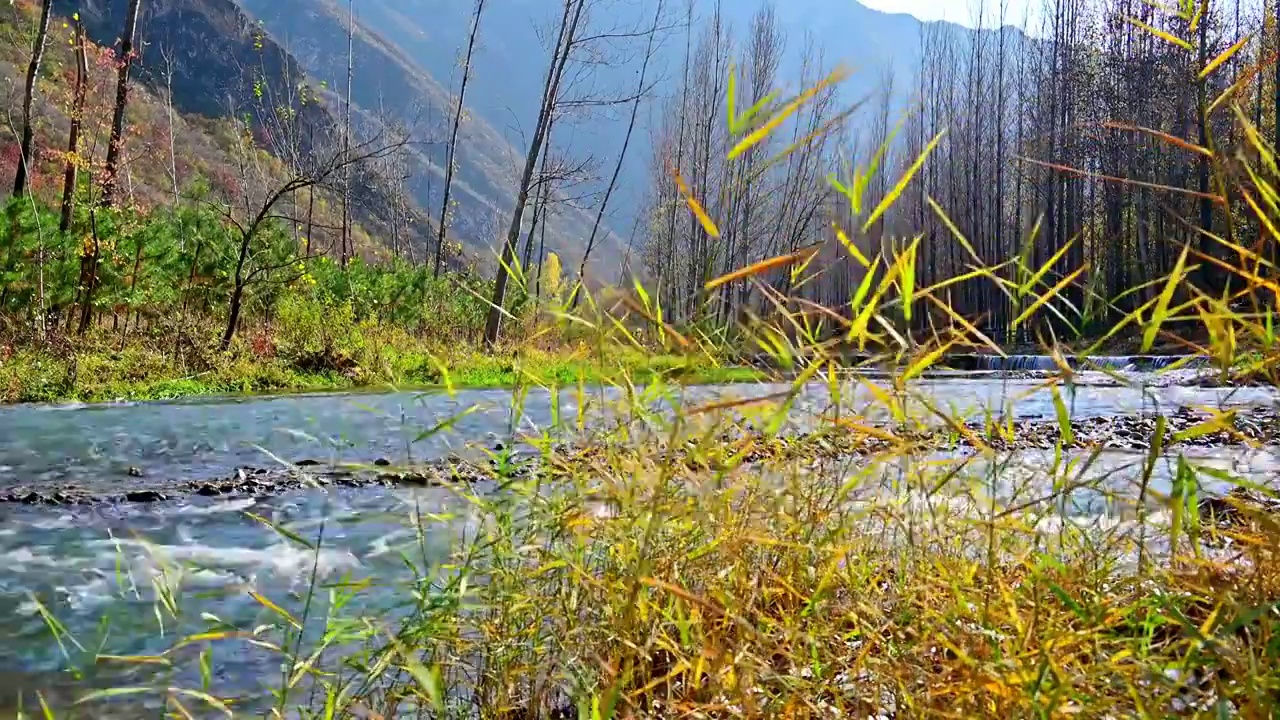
(771, 590)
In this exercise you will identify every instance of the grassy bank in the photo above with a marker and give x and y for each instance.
(102, 372)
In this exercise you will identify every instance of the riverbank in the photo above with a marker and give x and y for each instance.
(831, 440)
(102, 372)
(665, 583)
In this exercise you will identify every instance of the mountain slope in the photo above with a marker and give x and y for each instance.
(511, 61)
(390, 82)
(212, 61)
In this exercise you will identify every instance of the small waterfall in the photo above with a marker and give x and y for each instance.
(1015, 362)
(1046, 363)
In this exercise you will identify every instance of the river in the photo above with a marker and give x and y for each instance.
(87, 563)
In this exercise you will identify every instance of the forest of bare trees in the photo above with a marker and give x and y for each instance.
(1071, 143)
(1071, 151)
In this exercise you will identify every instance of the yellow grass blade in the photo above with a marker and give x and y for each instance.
(924, 362)
(864, 287)
(1030, 285)
(972, 274)
(1265, 151)
(1226, 55)
(1064, 417)
(869, 430)
(268, 604)
(955, 231)
(1049, 295)
(1218, 421)
(704, 219)
(757, 268)
(1167, 37)
(1171, 139)
(1246, 78)
(892, 196)
(852, 248)
(759, 134)
(1121, 180)
(1161, 311)
(968, 326)
(908, 277)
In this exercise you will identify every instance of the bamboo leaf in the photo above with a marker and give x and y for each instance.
(892, 196)
(708, 225)
(1161, 311)
(1226, 55)
(757, 268)
(1167, 37)
(759, 134)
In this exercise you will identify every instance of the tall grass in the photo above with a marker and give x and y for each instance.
(703, 563)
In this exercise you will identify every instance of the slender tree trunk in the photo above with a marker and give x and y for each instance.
(452, 155)
(1275, 120)
(542, 196)
(116, 145)
(542, 246)
(1202, 115)
(173, 152)
(70, 175)
(311, 196)
(237, 292)
(89, 274)
(28, 98)
(573, 10)
(347, 249)
(669, 267)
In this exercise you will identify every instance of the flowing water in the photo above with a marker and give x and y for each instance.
(89, 563)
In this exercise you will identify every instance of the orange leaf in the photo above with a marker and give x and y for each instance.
(757, 268)
(708, 224)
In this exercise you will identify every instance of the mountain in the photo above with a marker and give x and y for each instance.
(391, 83)
(512, 57)
(406, 55)
(207, 89)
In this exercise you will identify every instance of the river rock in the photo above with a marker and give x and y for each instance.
(145, 496)
(1235, 508)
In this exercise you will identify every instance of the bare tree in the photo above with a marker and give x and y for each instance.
(315, 169)
(28, 98)
(115, 146)
(641, 92)
(451, 157)
(570, 23)
(346, 249)
(79, 95)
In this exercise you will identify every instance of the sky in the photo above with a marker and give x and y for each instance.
(957, 11)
